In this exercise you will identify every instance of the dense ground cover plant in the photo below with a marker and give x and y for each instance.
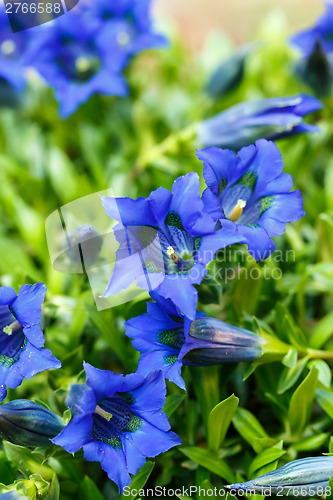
(233, 378)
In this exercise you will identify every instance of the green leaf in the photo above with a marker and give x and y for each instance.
(322, 332)
(311, 443)
(290, 358)
(289, 376)
(206, 386)
(325, 400)
(329, 496)
(301, 402)
(89, 490)
(264, 458)
(249, 427)
(209, 460)
(324, 375)
(330, 448)
(139, 480)
(219, 420)
(172, 402)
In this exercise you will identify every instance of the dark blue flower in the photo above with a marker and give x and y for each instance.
(118, 421)
(84, 52)
(27, 423)
(13, 47)
(77, 59)
(244, 123)
(316, 46)
(251, 191)
(166, 241)
(21, 339)
(167, 340)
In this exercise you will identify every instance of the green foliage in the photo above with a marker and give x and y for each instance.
(133, 146)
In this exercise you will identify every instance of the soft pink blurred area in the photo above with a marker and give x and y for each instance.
(237, 18)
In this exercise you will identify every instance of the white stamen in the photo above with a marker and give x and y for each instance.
(9, 329)
(82, 64)
(123, 39)
(8, 47)
(237, 211)
(102, 413)
(173, 255)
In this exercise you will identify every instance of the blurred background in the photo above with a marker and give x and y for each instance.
(239, 19)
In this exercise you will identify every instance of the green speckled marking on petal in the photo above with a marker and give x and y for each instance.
(6, 361)
(173, 219)
(146, 234)
(134, 424)
(172, 338)
(222, 185)
(151, 266)
(248, 179)
(171, 359)
(197, 242)
(266, 202)
(127, 397)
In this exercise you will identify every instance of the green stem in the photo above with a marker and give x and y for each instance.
(167, 145)
(318, 354)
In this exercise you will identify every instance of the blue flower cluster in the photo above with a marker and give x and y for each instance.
(170, 237)
(175, 235)
(83, 52)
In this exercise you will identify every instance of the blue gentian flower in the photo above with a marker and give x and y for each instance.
(251, 191)
(118, 421)
(131, 24)
(316, 46)
(27, 423)
(21, 339)
(84, 52)
(77, 59)
(244, 123)
(167, 340)
(307, 476)
(169, 237)
(13, 47)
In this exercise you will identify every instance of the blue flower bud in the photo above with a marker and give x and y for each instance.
(211, 341)
(307, 476)
(316, 71)
(27, 423)
(229, 74)
(272, 119)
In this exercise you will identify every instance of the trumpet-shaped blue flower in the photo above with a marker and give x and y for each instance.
(244, 123)
(131, 25)
(77, 59)
(21, 339)
(84, 52)
(166, 242)
(118, 421)
(250, 191)
(307, 476)
(27, 423)
(167, 340)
